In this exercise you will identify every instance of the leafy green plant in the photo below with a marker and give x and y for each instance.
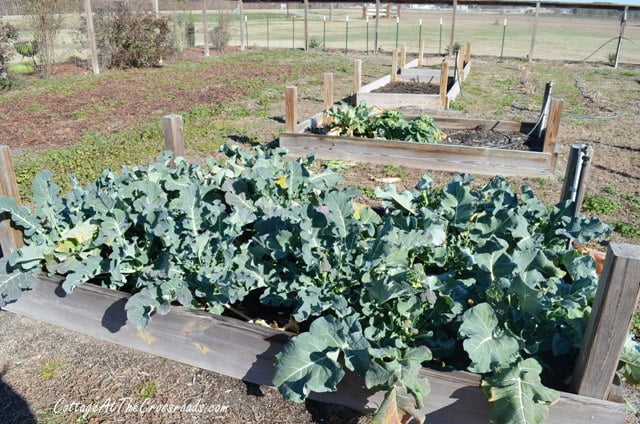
(394, 171)
(26, 48)
(627, 229)
(362, 121)
(600, 204)
(478, 278)
(611, 190)
(314, 43)
(146, 390)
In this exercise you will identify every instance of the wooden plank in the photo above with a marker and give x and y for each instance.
(316, 121)
(553, 126)
(247, 351)
(394, 65)
(420, 52)
(438, 157)
(467, 55)
(291, 108)
(380, 82)
(173, 136)
(608, 326)
(10, 237)
(91, 35)
(444, 77)
(327, 90)
(399, 100)
(357, 76)
(403, 56)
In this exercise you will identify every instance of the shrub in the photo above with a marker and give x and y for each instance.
(314, 43)
(129, 39)
(456, 48)
(7, 33)
(26, 48)
(221, 33)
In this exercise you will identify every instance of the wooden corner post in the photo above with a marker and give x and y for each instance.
(467, 53)
(608, 325)
(357, 76)
(10, 237)
(421, 52)
(173, 136)
(327, 92)
(444, 81)
(553, 126)
(403, 56)
(394, 65)
(291, 109)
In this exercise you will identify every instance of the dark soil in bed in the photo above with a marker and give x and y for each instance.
(412, 87)
(482, 136)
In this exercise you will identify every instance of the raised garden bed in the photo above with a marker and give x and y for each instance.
(509, 149)
(246, 351)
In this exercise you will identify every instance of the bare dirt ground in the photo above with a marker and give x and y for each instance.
(41, 364)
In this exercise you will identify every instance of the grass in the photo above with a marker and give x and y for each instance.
(601, 205)
(146, 390)
(49, 370)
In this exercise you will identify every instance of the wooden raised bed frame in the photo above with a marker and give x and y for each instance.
(437, 157)
(247, 351)
(414, 71)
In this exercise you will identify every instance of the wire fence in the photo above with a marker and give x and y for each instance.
(562, 34)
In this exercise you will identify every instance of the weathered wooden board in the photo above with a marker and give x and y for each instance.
(437, 157)
(423, 74)
(245, 351)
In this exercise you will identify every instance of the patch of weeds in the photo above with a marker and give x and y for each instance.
(610, 190)
(37, 109)
(634, 199)
(454, 105)
(394, 171)
(635, 323)
(339, 165)
(600, 204)
(367, 192)
(343, 68)
(543, 181)
(91, 109)
(629, 74)
(146, 390)
(627, 229)
(49, 370)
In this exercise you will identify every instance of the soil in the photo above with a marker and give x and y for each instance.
(55, 119)
(482, 136)
(412, 87)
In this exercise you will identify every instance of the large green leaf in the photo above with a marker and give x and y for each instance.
(13, 282)
(518, 394)
(629, 365)
(309, 362)
(486, 344)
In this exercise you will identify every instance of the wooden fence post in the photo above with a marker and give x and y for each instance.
(467, 54)
(421, 52)
(10, 237)
(242, 34)
(156, 8)
(553, 126)
(453, 27)
(377, 34)
(394, 65)
(306, 25)
(444, 80)
(460, 65)
(327, 92)
(91, 35)
(173, 136)
(357, 76)
(533, 33)
(205, 28)
(546, 104)
(608, 324)
(623, 23)
(291, 109)
(403, 56)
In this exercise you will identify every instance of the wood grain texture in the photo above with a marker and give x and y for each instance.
(246, 351)
(173, 135)
(444, 77)
(420, 60)
(291, 108)
(394, 65)
(608, 325)
(438, 157)
(467, 55)
(553, 126)
(357, 76)
(10, 237)
(403, 56)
